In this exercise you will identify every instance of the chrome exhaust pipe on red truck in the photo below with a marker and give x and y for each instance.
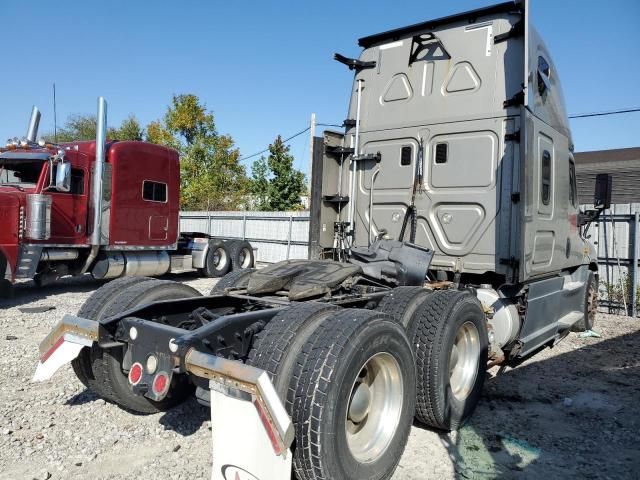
(95, 202)
(34, 124)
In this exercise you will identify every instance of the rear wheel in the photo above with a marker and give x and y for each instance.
(218, 261)
(93, 308)
(590, 305)
(106, 364)
(277, 349)
(401, 303)
(450, 340)
(241, 253)
(354, 398)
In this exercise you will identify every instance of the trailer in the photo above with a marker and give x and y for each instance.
(449, 241)
(103, 207)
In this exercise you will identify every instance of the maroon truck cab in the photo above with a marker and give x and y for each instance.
(140, 211)
(108, 208)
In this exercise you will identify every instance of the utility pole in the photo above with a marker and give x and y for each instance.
(312, 131)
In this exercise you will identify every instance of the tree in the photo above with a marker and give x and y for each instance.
(83, 127)
(276, 185)
(212, 177)
(260, 184)
(130, 129)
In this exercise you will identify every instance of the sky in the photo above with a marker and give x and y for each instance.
(264, 67)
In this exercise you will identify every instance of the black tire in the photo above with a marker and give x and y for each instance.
(590, 305)
(6, 289)
(437, 322)
(238, 278)
(106, 364)
(401, 303)
(93, 308)
(277, 349)
(241, 253)
(337, 352)
(218, 260)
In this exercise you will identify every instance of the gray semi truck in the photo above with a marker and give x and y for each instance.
(448, 240)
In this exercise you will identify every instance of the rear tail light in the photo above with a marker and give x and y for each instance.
(135, 374)
(161, 384)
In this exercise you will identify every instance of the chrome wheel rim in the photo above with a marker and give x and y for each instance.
(463, 360)
(220, 258)
(374, 408)
(245, 258)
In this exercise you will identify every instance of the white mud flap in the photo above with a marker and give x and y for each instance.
(251, 430)
(242, 448)
(63, 344)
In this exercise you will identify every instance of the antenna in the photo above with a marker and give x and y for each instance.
(55, 118)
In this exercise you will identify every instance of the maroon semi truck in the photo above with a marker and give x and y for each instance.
(103, 207)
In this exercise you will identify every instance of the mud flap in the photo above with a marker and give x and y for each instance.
(242, 448)
(252, 432)
(63, 344)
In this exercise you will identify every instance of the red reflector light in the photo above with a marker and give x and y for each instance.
(161, 383)
(135, 374)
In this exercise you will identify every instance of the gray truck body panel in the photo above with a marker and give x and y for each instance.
(490, 160)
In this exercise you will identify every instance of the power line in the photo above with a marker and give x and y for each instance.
(242, 159)
(602, 114)
(577, 115)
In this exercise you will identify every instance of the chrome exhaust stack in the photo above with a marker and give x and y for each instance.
(95, 206)
(34, 124)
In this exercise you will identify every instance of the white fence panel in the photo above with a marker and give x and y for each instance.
(276, 235)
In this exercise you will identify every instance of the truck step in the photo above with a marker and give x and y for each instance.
(28, 261)
(571, 286)
(569, 319)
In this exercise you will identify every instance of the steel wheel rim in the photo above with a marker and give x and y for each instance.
(245, 258)
(219, 258)
(463, 360)
(374, 408)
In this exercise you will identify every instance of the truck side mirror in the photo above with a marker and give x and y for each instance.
(602, 197)
(63, 177)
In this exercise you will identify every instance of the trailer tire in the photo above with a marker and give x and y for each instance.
(590, 305)
(277, 349)
(218, 260)
(450, 325)
(241, 253)
(354, 400)
(238, 278)
(93, 308)
(401, 303)
(107, 363)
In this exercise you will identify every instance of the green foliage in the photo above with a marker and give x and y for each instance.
(212, 177)
(83, 127)
(275, 184)
(260, 184)
(619, 292)
(130, 129)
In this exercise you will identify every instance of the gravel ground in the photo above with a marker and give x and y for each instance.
(569, 412)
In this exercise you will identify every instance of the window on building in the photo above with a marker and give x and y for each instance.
(154, 191)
